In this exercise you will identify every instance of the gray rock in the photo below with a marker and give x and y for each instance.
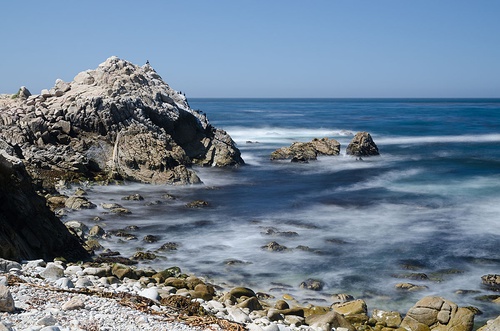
(6, 265)
(65, 283)
(6, 300)
(121, 121)
(83, 282)
(52, 271)
(4, 327)
(47, 320)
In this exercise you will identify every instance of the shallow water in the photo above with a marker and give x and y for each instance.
(430, 202)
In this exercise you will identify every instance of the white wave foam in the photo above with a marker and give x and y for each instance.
(275, 134)
(401, 140)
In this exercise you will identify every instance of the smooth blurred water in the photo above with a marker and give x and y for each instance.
(431, 200)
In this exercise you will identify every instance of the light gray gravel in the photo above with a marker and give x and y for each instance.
(39, 309)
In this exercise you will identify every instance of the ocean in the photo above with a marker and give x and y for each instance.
(426, 211)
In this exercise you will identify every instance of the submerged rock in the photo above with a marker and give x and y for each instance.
(119, 120)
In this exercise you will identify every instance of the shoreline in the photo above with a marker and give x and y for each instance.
(290, 299)
(93, 296)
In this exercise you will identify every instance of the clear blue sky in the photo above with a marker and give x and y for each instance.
(262, 48)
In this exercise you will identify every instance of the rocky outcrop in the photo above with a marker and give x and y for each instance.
(118, 120)
(303, 152)
(28, 229)
(362, 145)
(436, 313)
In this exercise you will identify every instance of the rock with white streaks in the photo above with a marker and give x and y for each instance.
(119, 120)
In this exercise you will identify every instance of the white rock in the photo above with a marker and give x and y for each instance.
(73, 270)
(238, 315)
(3, 281)
(271, 327)
(65, 283)
(214, 304)
(83, 282)
(150, 293)
(254, 327)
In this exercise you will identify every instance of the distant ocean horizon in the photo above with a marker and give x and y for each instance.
(426, 211)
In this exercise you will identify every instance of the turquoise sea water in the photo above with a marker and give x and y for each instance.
(429, 204)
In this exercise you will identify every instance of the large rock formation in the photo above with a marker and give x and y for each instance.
(303, 152)
(438, 314)
(28, 229)
(117, 120)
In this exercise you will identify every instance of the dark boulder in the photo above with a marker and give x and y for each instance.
(362, 145)
(28, 228)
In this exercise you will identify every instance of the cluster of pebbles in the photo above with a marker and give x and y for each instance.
(53, 297)
(40, 296)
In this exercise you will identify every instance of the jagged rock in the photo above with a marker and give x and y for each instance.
(436, 313)
(362, 145)
(303, 152)
(119, 120)
(28, 229)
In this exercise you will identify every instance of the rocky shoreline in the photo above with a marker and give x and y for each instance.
(121, 121)
(52, 296)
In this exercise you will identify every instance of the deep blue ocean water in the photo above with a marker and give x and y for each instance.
(429, 204)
